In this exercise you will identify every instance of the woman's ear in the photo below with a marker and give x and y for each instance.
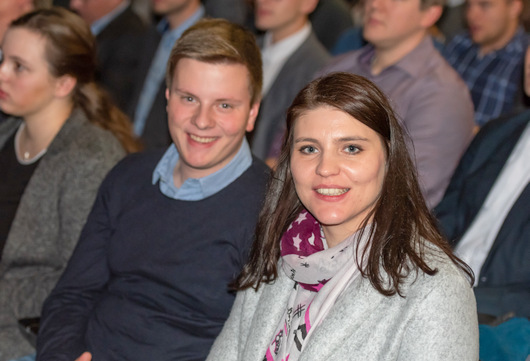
(64, 86)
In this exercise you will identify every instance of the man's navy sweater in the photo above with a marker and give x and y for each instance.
(148, 279)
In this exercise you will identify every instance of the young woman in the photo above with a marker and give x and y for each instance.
(62, 139)
(348, 263)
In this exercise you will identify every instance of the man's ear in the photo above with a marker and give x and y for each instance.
(430, 16)
(64, 85)
(516, 8)
(252, 115)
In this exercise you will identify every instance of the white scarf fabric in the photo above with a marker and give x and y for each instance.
(321, 275)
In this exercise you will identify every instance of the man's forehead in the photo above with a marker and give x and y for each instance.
(226, 83)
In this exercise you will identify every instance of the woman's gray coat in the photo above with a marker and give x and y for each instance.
(436, 320)
(49, 219)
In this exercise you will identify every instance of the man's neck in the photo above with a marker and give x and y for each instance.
(499, 43)
(388, 56)
(176, 18)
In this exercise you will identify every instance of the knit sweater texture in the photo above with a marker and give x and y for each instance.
(149, 278)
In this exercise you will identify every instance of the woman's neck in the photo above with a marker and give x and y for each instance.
(40, 129)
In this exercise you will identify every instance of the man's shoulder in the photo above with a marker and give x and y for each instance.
(433, 73)
(127, 23)
(459, 44)
(137, 166)
(503, 129)
(256, 176)
(314, 48)
(347, 62)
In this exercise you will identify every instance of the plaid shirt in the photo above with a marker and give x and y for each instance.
(494, 78)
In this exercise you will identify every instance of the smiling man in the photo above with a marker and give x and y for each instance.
(169, 231)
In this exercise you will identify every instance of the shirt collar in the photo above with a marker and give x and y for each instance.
(287, 45)
(410, 63)
(170, 36)
(195, 189)
(100, 24)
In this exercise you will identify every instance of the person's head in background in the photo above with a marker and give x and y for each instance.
(214, 81)
(282, 18)
(493, 23)
(175, 11)
(48, 68)
(12, 9)
(93, 10)
(395, 28)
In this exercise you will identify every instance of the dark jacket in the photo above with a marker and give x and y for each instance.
(504, 280)
(118, 55)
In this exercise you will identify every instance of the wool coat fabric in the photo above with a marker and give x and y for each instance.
(49, 219)
(436, 320)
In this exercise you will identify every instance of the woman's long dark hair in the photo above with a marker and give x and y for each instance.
(403, 223)
(70, 50)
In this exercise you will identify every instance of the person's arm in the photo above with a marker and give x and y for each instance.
(67, 310)
(504, 299)
(444, 326)
(226, 346)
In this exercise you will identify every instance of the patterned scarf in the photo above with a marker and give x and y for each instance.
(320, 273)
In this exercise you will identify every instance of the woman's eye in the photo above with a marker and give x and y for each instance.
(308, 149)
(352, 149)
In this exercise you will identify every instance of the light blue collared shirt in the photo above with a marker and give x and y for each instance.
(100, 24)
(157, 70)
(196, 189)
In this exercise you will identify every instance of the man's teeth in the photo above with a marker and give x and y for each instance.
(332, 191)
(201, 139)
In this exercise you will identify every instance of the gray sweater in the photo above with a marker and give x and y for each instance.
(435, 321)
(49, 219)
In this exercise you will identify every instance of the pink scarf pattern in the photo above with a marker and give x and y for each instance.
(320, 274)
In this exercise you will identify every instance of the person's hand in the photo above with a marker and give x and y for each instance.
(86, 356)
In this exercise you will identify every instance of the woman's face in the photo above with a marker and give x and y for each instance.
(26, 85)
(338, 168)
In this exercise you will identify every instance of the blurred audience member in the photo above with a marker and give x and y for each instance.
(429, 97)
(330, 19)
(291, 55)
(53, 155)
(489, 57)
(12, 9)
(118, 30)
(170, 230)
(485, 212)
(453, 19)
(236, 11)
(148, 106)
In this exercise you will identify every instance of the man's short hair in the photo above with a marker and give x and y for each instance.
(219, 41)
